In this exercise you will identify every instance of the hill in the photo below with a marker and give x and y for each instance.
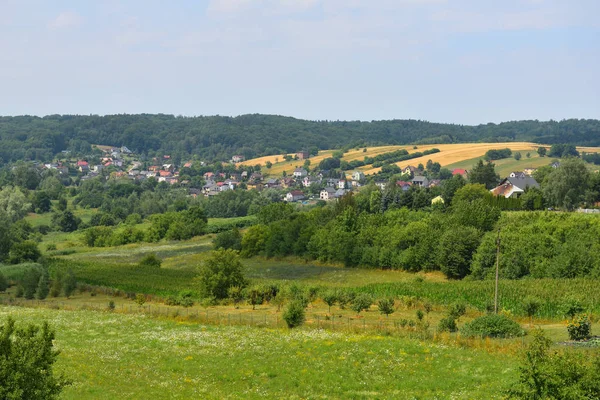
(450, 156)
(214, 138)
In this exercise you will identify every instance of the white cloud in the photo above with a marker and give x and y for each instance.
(66, 19)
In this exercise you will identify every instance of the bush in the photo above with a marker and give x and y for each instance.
(294, 314)
(361, 302)
(493, 325)
(3, 283)
(228, 240)
(24, 251)
(579, 328)
(222, 270)
(50, 247)
(151, 261)
(111, 306)
(330, 297)
(447, 324)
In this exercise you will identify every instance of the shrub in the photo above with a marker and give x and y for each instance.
(531, 306)
(222, 270)
(3, 283)
(447, 324)
(330, 297)
(571, 308)
(24, 251)
(140, 299)
(361, 302)
(151, 261)
(294, 314)
(236, 294)
(228, 240)
(255, 296)
(386, 306)
(111, 306)
(579, 328)
(493, 325)
(50, 247)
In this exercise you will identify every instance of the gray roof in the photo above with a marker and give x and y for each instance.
(523, 182)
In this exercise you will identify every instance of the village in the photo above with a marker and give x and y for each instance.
(303, 185)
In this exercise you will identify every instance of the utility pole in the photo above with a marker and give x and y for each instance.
(497, 268)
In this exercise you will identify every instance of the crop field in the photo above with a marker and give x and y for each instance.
(462, 155)
(104, 353)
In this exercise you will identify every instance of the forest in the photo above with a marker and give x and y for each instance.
(219, 138)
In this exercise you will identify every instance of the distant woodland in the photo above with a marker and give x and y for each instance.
(217, 138)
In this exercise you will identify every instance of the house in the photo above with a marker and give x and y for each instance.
(434, 183)
(327, 194)
(332, 182)
(82, 163)
(165, 174)
(507, 189)
(244, 175)
(529, 171)
(403, 185)
(410, 170)
(208, 176)
(270, 183)
(125, 150)
(168, 167)
(187, 164)
(98, 168)
(302, 155)
(555, 164)
(300, 173)
(309, 180)
(517, 174)
(154, 168)
(342, 184)
(381, 185)
(514, 187)
(523, 182)
(340, 192)
(294, 195)
(288, 181)
(256, 177)
(237, 158)
(460, 171)
(420, 180)
(358, 176)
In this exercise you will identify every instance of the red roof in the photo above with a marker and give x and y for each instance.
(296, 193)
(459, 171)
(402, 183)
(165, 173)
(187, 165)
(82, 163)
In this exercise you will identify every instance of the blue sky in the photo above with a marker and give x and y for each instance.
(460, 61)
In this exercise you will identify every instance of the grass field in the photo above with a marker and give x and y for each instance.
(110, 355)
(462, 155)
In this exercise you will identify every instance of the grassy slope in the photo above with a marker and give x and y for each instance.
(133, 356)
(451, 155)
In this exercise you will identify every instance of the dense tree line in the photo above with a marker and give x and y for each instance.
(217, 137)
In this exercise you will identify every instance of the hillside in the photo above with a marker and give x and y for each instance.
(219, 138)
(450, 156)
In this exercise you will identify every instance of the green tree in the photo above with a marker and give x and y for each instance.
(541, 151)
(386, 306)
(294, 314)
(451, 186)
(24, 251)
(69, 283)
(517, 156)
(27, 356)
(66, 221)
(485, 174)
(268, 164)
(455, 251)
(14, 203)
(531, 306)
(30, 281)
(330, 297)
(566, 186)
(361, 302)
(222, 270)
(3, 283)
(43, 286)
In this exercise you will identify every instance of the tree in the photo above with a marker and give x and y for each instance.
(566, 186)
(43, 285)
(66, 221)
(14, 203)
(222, 270)
(330, 297)
(361, 302)
(3, 282)
(29, 282)
(531, 306)
(294, 314)
(24, 251)
(268, 164)
(456, 248)
(27, 357)
(255, 296)
(69, 283)
(485, 174)
(517, 156)
(541, 151)
(41, 202)
(386, 306)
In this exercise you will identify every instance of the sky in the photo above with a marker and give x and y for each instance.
(457, 61)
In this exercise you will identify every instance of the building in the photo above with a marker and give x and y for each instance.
(237, 158)
(300, 173)
(420, 180)
(302, 155)
(514, 186)
(358, 175)
(327, 194)
(294, 195)
(460, 171)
